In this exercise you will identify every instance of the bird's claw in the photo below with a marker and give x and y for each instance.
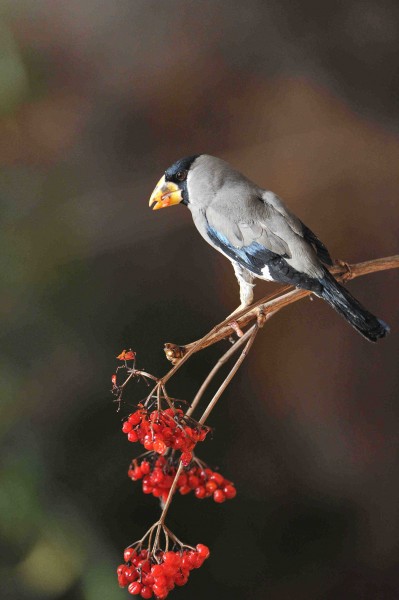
(235, 326)
(347, 274)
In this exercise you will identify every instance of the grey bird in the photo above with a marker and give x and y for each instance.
(254, 229)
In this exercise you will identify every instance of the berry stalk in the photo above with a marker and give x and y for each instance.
(250, 338)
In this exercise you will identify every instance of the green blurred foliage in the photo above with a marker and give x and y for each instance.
(14, 79)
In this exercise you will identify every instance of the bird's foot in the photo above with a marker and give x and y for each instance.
(235, 326)
(347, 274)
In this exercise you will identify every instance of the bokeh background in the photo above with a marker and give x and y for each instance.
(96, 100)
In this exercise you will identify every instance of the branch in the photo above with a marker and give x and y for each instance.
(284, 296)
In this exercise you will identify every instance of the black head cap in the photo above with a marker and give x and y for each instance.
(178, 174)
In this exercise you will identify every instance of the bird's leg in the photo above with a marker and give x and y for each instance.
(245, 279)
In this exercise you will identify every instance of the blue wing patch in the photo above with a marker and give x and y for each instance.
(253, 257)
(256, 257)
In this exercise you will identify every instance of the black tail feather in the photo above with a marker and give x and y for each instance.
(346, 305)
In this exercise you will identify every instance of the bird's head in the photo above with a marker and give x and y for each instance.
(172, 187)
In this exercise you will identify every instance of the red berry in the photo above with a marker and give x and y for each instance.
(159, 446)
(132, 436)
(181, 579)
(129, 554)
(159, 590)
(126, 427)
(211, 486)
(203, 550)
(134, 588)
(195, 559)
(147, 579)
(217, 478)
(178, 443)
(193, 481)
(218, 496)
(136, 474)
(130, 574)
(135, 418)
(145, 467)
(157, 571)
(157, 475)
(167, 433)
(161, 581)
(200, 492)
(171, 558)
(230, 491)
(146, 592)
(186, 561)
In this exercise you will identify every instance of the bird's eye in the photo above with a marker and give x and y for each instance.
(181, 175)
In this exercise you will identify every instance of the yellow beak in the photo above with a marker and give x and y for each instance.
(165, 194)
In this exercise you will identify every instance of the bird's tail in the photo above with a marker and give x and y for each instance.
(346, 305)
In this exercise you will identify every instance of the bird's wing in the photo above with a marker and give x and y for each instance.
(259, 233)
(297, 226)
(247, 242)
(320, 249)
(243, 230)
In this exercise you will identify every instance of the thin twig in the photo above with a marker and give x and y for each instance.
(170, 495)
(251, 334)
(222, 360)
(254, 330)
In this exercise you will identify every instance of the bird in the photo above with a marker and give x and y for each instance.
(261, 237)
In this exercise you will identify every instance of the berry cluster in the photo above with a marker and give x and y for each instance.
(159, 430)
(169, 437)
(147, 576)
(158, 475)
(206, 483)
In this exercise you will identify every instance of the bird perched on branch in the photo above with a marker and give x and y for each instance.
(253, 228)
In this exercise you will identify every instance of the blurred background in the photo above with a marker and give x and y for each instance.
(96, 100)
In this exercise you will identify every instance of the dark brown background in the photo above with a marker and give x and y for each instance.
(96, 100)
